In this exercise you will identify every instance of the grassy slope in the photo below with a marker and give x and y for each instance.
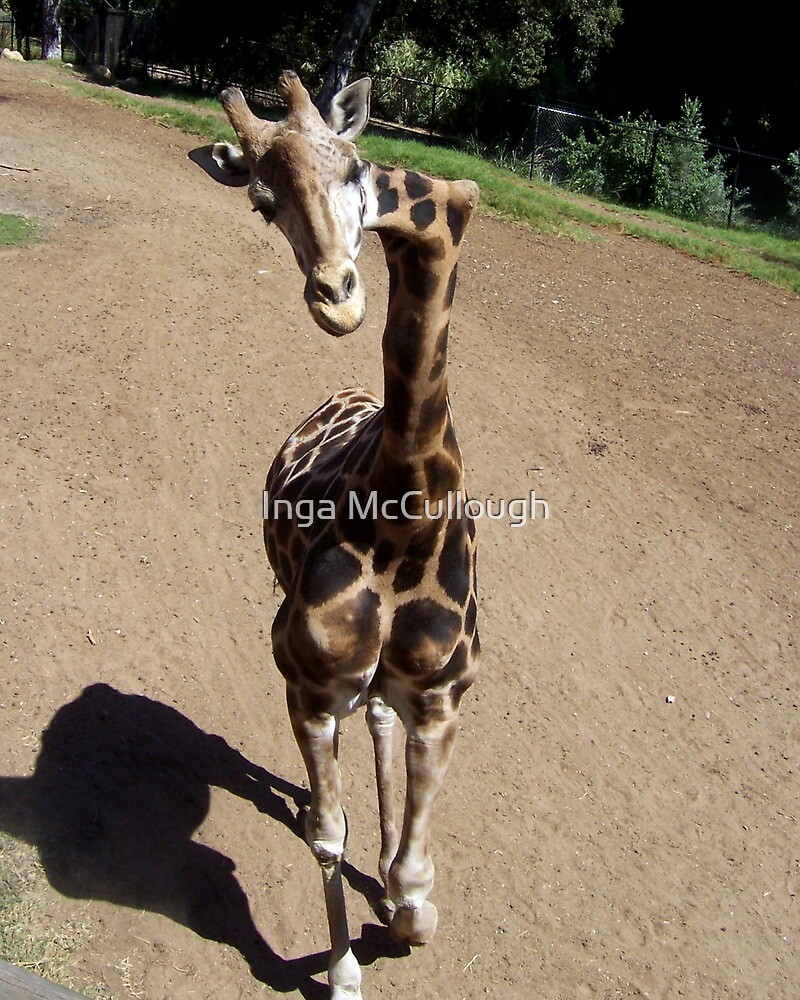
(535, 203)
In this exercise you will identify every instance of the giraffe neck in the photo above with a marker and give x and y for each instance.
(420, 222)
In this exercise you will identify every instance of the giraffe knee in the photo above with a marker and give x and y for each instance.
(380, 717)
(327, 852)
(326, 837)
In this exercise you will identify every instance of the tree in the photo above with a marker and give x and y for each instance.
(26, 21)
(51, 29)
(499, 55)
(515, 39)
(350, 37)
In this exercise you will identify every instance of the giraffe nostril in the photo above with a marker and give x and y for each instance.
(325, 290)
(335, 289)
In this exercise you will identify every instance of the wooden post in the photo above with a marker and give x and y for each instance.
(17, 984)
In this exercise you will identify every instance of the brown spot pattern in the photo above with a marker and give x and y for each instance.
(327, 575)
(388, 202)
(441, 475)
(423, 213)
(456, 222)
(407, 345)
(421, 629)
(454, 570)
(408, 576)
(417, 185)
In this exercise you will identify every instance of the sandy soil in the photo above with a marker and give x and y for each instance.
(596, 838)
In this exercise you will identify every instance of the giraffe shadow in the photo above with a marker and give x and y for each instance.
(120, 785)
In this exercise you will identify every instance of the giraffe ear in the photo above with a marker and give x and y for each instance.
(349, 110)
(223, 162)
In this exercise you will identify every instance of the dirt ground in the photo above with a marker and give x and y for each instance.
(621, 816)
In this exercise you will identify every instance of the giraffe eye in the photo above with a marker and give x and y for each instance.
(267, 212)
(263, 200)
(355, 172)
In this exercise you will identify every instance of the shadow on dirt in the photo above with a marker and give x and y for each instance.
(120, 785)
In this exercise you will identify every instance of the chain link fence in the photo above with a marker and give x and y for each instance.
(754, 189)
(444, 113)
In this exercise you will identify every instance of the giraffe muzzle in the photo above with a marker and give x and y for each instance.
(335, 298)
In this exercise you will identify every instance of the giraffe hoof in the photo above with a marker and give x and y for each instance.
(414, 926)
(345, 993)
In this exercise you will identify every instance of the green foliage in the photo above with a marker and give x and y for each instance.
(638, 162)
(485, 59)
(519, 35)
(496, 53)
(791, 180)
(502, 154)
(687, 181)
(406, 60)
(613, 165)
(583, 163)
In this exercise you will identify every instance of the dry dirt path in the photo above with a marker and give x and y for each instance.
(594, 838)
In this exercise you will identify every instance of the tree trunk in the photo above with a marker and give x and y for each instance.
(51, 29)
(341, 62)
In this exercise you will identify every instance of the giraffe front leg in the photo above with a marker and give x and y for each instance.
(380, 720)
(429, 750)
(326, 833)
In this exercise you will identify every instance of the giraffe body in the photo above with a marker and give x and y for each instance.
(379, 608)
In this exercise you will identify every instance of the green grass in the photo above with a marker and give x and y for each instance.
(185, 119)
(14, 230)
(167, 91)
(26, 941)
(769, 258)
(508, 195)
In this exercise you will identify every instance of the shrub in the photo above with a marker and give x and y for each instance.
(615, 164)
(584, 165)
(639, 162)
(687, 181)
(791, 180)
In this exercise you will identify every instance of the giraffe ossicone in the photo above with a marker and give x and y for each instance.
(378, 611)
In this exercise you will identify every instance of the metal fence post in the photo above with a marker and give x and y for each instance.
(433, 112)
(535, 141)
(735, 183)
(651, 179)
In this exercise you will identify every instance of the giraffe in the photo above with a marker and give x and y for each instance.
(380, 600)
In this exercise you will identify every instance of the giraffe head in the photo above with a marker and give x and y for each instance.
(304, 174)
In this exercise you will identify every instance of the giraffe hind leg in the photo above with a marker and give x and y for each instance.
(429, 750)
(381, 721)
